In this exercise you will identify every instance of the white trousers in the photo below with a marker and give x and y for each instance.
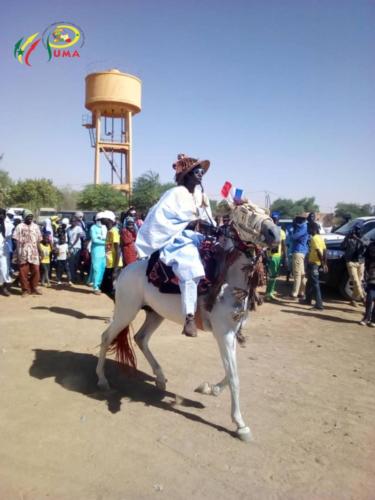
(189, 296)
(183, 255)
(4, 270)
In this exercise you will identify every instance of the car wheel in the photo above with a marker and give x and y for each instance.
(346, 287)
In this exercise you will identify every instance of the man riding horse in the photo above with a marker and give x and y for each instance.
(167, 229)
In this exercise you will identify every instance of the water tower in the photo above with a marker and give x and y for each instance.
(113, 98)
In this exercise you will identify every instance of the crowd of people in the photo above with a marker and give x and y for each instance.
(72, 252)
(302, 252)
(68, 251)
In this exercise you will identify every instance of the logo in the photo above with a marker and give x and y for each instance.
(59, 39)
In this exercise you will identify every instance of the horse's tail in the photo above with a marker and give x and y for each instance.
(122, 347)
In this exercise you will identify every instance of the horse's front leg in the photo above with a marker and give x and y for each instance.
(227, 346)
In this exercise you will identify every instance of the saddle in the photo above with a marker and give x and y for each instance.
(163, 277)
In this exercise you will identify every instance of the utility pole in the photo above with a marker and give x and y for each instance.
(267, 200)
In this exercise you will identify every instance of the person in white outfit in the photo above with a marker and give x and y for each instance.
(6, 228)
(167, 229)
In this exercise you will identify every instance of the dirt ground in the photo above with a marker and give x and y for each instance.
(307, 391)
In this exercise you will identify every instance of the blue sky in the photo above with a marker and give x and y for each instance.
(279, 95)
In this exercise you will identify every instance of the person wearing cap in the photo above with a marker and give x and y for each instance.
(6, 228)
(299, 238)
(354, 257)
(112, 253)
(81, 219)
(274, 258)
(75, 234)
(128, 235)
(55, 222)
(167, 229)
(62, 229)
(28, 237)
(98, 235)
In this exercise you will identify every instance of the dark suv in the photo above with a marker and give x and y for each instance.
(337, 275)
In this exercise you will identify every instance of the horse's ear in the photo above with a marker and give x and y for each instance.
(224, 207)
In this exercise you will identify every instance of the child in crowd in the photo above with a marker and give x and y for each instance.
(45, 257)
(369, 317)
(61, 250)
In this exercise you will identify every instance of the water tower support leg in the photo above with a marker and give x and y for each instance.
(97, 149)
(129, 156)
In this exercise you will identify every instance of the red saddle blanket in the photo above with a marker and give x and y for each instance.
(163, 277)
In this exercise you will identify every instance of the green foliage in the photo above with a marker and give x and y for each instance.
(34, 194)
(5, 185)
(147, 189)
(101, 197)
(353, 210)
(290, 208)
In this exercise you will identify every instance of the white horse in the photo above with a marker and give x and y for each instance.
(225, 319)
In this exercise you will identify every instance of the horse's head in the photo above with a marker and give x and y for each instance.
(252, 224)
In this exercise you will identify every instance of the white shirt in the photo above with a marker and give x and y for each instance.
(62, 251)
(169, 217)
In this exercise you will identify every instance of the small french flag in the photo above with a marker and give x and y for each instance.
(238, 195)
(225, 190)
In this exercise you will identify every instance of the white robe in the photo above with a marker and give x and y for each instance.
(5, 246)
(164, 230)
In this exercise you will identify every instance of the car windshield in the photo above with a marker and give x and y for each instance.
(370, 235)
(346, 228)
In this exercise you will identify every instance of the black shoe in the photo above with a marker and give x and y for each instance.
(317, 308)
(304, 302)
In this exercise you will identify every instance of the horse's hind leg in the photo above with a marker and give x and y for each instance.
(151, 323)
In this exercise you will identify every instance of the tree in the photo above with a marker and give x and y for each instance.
(290, 208)
(34, 194)
(5, 185)
(69, 198)
(101, 197)
(147, 189)
(353, 210)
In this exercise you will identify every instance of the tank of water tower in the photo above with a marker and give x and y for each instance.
(113, 98)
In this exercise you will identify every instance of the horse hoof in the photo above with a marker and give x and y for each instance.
(244, 434)
(204, 388)
(104, 386)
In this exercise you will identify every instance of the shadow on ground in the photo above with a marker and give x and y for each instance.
(76, 372)
(69, 312)
(326, 317)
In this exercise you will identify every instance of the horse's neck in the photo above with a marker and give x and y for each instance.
(236, 275)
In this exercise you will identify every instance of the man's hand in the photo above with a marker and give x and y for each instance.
(116, 273)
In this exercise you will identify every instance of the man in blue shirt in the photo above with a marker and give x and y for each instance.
(300, 238)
